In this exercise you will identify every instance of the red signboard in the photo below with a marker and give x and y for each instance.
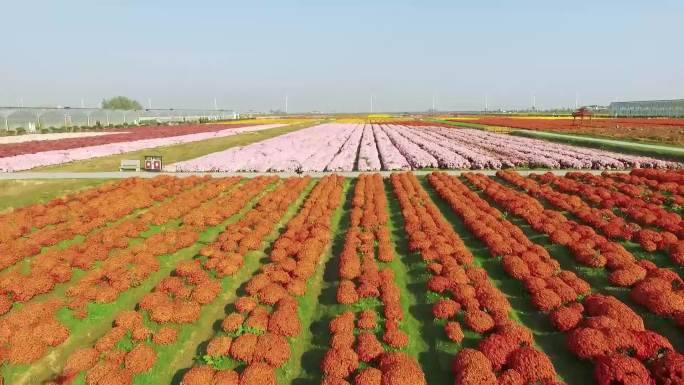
(153, 163)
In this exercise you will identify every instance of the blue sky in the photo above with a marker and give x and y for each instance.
(332, 55)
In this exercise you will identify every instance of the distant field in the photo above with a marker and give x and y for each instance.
(655, 130)
(175, 153)
(348, 143)
(664, 151)
(404, 145)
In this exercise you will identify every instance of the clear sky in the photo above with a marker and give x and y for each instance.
(332, 55)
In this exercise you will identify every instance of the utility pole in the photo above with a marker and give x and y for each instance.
(576, 100)
(21, 101)
(486, 103)
(434, 103)
(285, 104)
(82, 103)
(534, 102)
(215, 105)
(149, 103)
(371, 104)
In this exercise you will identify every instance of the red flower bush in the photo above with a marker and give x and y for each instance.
(676, 252)
(340, 363)
(284, 321)
(219, 346)
(81, 359)
(226, 377)
(346, 292)
(393, 336)
(621, 369)
(334, 381)
(516, 331)
(243, 347)
(198, 375)
(245, 304)
(368, 376)
(510, 377)
(400, 369)
(669, 369)
(165, 336)
(650, 345)
(367, 320)
(533, 365)
(472, 367)
(497, 347)
(611, 307)
(272, 349)
(368, 347)
(588, 343)
(342, 340)
(565, 318)
(453, 331)
(258, 319)
(515, 267)
(140, 359)
(232, 322)
(258, 374)
(343, 322)
(445, 308)
(478, 321)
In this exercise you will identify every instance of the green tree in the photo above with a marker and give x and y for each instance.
(121, 103)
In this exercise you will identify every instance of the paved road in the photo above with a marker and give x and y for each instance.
(645, 146)
(350, 174)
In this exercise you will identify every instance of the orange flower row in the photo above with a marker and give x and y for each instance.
(505, 352)
(225, 255)
(341, 361)
(264, 318)
(21, 221)
(670, 232)
(133, 265)
(56, 266)
(640, 187)
(590, 323)
(176, 299)
(663, 176)
(82, 217)
(368, 225)
(361, 277)
(594, 250)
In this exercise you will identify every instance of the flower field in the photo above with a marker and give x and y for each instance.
(543, 279)
(406, 146)
(37, 153)
(661, 130)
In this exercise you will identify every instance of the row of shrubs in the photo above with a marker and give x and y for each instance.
(96, 127)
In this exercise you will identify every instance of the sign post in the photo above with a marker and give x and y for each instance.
(153, 163)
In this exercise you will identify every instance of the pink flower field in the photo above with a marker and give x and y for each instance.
(27, 161)
(371, 147)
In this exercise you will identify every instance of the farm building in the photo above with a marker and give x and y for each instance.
(648, 108)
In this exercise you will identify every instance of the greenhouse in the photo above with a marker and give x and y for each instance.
(671, 108)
